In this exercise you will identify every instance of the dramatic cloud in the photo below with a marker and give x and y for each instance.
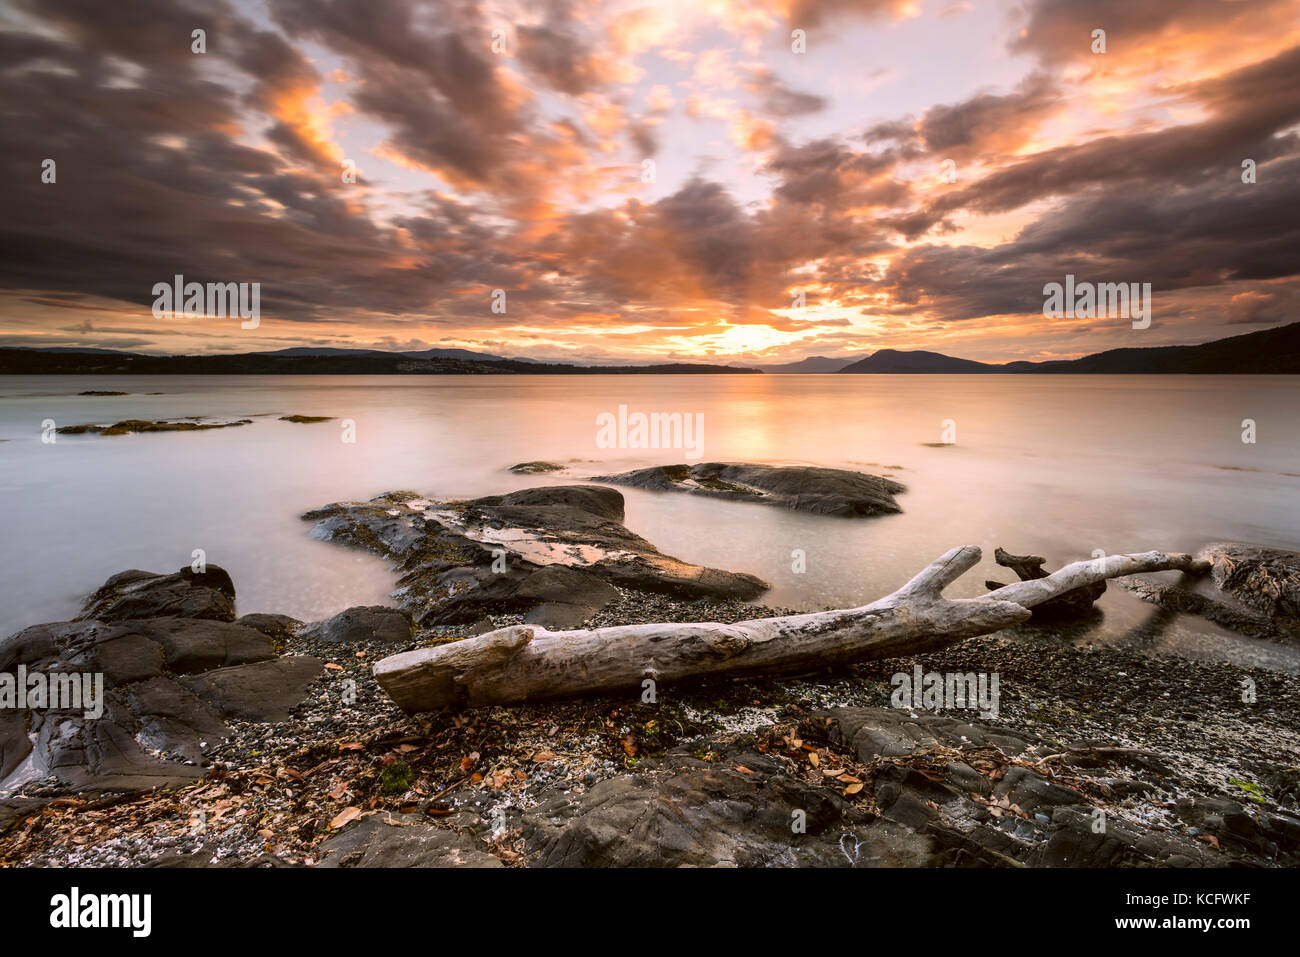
(648, 180)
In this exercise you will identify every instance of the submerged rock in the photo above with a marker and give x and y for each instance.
(551, 554)
(144, 425)
(535, 468)
(823, 491)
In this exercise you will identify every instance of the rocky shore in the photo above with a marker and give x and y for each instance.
(265, 741)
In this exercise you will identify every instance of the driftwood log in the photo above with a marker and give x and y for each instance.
(1071, 604)
(526, 662)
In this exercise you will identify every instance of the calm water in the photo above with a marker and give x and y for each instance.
(1056, 466)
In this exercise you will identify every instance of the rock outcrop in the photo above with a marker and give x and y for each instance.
(551, 554)
(1265, 578)
(822, 491)
(174, 667)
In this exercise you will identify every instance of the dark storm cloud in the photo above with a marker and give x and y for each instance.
(1207, 235)
(1249, 108)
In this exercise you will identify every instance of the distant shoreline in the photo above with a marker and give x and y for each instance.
(1274, 351)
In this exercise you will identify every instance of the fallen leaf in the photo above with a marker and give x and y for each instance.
(352, 746)
(333, 667)
(743, 770)
(541, 757)
(853, 788)
(814, 759)
(344, 816)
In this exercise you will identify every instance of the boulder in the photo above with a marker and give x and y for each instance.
(185, 594)
(365, 623)
(838, 492)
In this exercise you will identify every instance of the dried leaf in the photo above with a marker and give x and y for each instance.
(853, 788)
(344, 816)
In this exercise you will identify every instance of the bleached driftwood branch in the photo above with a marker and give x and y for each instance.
(527, 662)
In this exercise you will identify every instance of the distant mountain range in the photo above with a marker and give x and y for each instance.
(815, 365)
(466, 354)
(311, 361)
(1267, 352)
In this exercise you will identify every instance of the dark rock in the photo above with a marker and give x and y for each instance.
(144, 425)
(407, 842)
(173, 719)
(155, 725)
(535, 468)
(808, 489)
(135, 650)
(276, 627)
(1264, 578)
(549, 554)
(103, 754)
(1221, 610)
(890, 732)
(689, 813)
(565, 597)
(365, 623)
(1031, 792)
(185, 594)
(263, 691)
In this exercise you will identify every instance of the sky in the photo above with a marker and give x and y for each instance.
(749, 181)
